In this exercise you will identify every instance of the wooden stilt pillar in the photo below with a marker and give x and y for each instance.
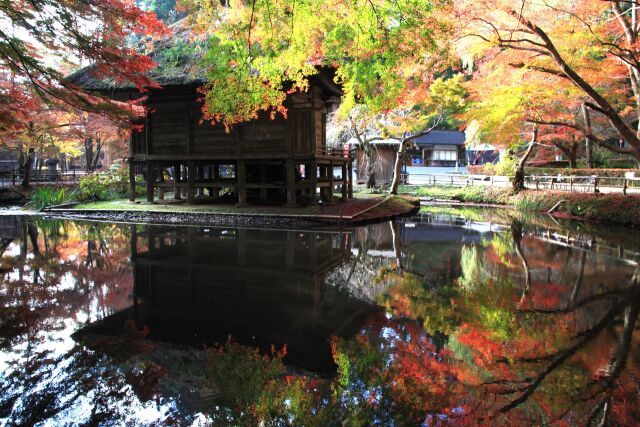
(330, 171)
(291, 182)
(176, 181)
(344, 181)
(350, 181)
(132, 180)
(183, 189)
(150, 181)
(313, 179)
(323, 178)
(200, 174)
(241, 177)
(191, 176)
(161, 181)
(215, 191)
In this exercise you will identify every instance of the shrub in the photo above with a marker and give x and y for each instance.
(105, 186)
(42, 197)
(506, 166)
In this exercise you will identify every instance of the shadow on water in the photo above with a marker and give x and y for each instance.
(459, 316)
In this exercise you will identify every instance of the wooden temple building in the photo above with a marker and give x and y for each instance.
(281, 160)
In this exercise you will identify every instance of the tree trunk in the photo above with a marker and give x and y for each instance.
(397, 167)
(371, 167)
(27, 169)
(587, 140)
(518, 179)
(573, 155)
(88, 154)
(96, 157)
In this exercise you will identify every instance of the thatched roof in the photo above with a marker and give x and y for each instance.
(179, 64)
(178, 59)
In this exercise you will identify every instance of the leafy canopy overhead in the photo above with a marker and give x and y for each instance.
(40, 40)
(381, 51)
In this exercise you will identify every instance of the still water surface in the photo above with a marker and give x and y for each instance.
(459, 317)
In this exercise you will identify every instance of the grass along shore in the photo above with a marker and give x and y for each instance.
(606, 208)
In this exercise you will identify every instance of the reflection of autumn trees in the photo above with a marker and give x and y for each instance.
(547, 368)
(537, 332)
(60, 267)
(55, 274)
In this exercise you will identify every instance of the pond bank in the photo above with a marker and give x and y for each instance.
(606, 208)
(357, 211)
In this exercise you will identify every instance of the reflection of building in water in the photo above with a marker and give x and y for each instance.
(262, 287)
(429, 247)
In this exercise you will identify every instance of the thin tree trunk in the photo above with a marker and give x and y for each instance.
(27, 169)
(88, 154)
(518, 179)
(573, 155)
(96, 157)
(397, 167)
(587, 140)
(371, 167)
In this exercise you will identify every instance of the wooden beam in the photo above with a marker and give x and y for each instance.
(200, 171)
(161, 181)
(330, 181)
(176, 180)
(344, 182)
(214, 192)
(313, 178)
(147, 134)
(191, 172)
(350, 180)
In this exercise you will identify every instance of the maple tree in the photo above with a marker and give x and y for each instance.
(380, 51)
(44, 132)
(544, 62)
(35, 34)
(95, 132)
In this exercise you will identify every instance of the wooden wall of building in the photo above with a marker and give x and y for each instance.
(175, 127)
(384, 159)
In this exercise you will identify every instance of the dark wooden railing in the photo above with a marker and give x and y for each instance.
(344, 153)
(15, 176)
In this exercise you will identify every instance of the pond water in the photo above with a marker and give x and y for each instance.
(454, 316)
